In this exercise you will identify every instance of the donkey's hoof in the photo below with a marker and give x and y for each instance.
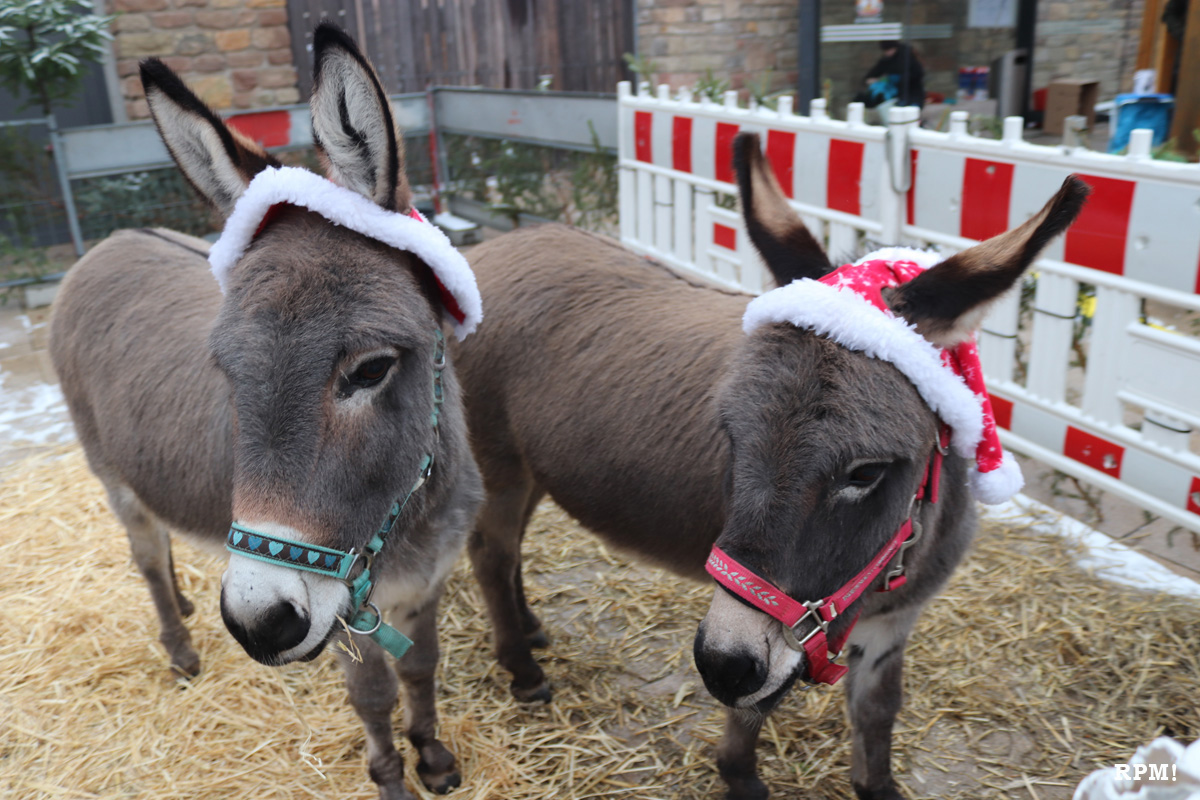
(186, 668)
(437, 768)
(745, 786)
(440, 782)
(185, 662)
(186, 608)
(536, 695)
(889, 792)
(394, 792)
(538, 640)
(748, 790)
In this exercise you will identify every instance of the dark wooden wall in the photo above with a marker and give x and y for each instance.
(503, 44)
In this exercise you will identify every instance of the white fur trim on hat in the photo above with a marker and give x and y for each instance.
(341, 206)
(854, 323)
(1000, 484)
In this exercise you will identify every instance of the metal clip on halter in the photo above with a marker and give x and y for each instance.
(895, 577)
(792, 634)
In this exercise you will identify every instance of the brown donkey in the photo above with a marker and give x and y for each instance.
(304, 406)
(633, 398)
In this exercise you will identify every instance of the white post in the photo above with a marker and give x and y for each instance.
(626, 182)
(1115, 312)
(683, 221)
(703, 230)
(895, 178)
(843, 241)
(998, 337)
(1050, 344)
(1014, 129)
(958, 123)
(1140, 142)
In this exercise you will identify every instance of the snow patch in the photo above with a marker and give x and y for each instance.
(1104, 557)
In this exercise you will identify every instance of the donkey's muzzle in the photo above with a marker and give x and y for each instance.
(729, 675)
(277, 629)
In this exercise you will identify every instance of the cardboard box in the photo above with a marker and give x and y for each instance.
(1067, 97)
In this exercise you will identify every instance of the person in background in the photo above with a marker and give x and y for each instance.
(896, 79)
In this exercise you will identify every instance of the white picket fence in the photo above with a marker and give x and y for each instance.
(1124, 423)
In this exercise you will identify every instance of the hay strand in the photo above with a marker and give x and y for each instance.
(1022, 677)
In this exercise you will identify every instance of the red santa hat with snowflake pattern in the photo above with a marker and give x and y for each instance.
(847, 306)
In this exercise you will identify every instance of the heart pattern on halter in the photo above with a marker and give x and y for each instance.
(307, 557)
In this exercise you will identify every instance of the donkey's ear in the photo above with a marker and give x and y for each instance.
(947, 303)
(788, 248)
(217, 160)
(352, 122)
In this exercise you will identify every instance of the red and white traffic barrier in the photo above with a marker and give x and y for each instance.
(1128, 426)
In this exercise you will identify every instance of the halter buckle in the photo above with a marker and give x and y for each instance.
(368, 560)
(791, 633)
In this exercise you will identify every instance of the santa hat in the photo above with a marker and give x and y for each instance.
(847, 306)
(276, 186)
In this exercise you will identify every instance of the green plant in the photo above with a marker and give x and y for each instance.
(1169, 150)
(986, 127)
(514, 179)
(27, 202)
(712, 87)
(760, 92)
(641, 66)
(43, 45)
(20, 260)
(157, 198)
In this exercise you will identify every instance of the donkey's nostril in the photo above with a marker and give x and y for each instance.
(281, 627)
(730, 676)
(285, 626)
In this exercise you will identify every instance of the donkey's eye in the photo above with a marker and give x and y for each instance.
(866, 474)
(369, 373)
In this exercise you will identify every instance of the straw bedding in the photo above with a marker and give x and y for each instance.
(1023, 676)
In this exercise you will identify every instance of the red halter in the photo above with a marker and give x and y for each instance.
(815, 644)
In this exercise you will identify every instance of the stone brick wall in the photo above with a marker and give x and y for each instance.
(1088, 39)
(232, 53)
(738, 40)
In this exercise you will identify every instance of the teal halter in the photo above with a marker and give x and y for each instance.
(366, 618)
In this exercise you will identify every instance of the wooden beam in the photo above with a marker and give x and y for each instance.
(1187, 92)
(1152, 30)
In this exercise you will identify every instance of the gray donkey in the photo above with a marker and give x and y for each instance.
(631, 396)
(305, 406)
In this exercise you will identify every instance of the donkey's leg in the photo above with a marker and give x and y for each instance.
(495, 549)
(736, 757)
(535, 634)
(150, 545)
(185, 606)
(436, 765)
(874, 696)
(374, 691)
